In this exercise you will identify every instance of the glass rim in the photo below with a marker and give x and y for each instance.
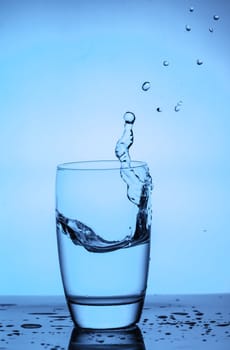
(100, 165)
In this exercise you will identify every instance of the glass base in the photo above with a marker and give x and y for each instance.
(105, 316)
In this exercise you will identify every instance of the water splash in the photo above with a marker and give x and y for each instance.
(139, 186)
(83, 235)
(126, 141)
(136, 183)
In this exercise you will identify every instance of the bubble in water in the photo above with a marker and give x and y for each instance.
(188, 28)
(166, 63)
(146, 86)
(191, 9)
(199, 62)
(129, 117)
(215, 17)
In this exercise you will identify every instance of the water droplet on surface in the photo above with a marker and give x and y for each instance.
(42, 313)
(31, 325)
(198, 313)
(129, 117)
(223, 324)
(166, 63)
(159, 109)
(188, 28)
(199, 62)
(216, 18)
(191, 9)
(146, 86)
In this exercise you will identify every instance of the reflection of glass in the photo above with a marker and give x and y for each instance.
(126, 339)
(103, 241)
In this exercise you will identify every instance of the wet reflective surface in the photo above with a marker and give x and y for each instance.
(168, 322)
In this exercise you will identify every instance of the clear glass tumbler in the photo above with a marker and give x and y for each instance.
(103, 220)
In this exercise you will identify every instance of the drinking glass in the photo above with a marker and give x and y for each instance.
(103, 221)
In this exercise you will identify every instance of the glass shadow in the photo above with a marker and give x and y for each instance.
(127, 339)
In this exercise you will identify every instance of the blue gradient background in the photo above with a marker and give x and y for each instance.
(68, 72)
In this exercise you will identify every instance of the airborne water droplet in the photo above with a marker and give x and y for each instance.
(191, 9)
(177, 107)
(179, 104)
(146, 86)
(159, 109)
(188, 28)
(129, 117)
(199, 62)
(166, 63)
(211, 30)
(216, 18)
